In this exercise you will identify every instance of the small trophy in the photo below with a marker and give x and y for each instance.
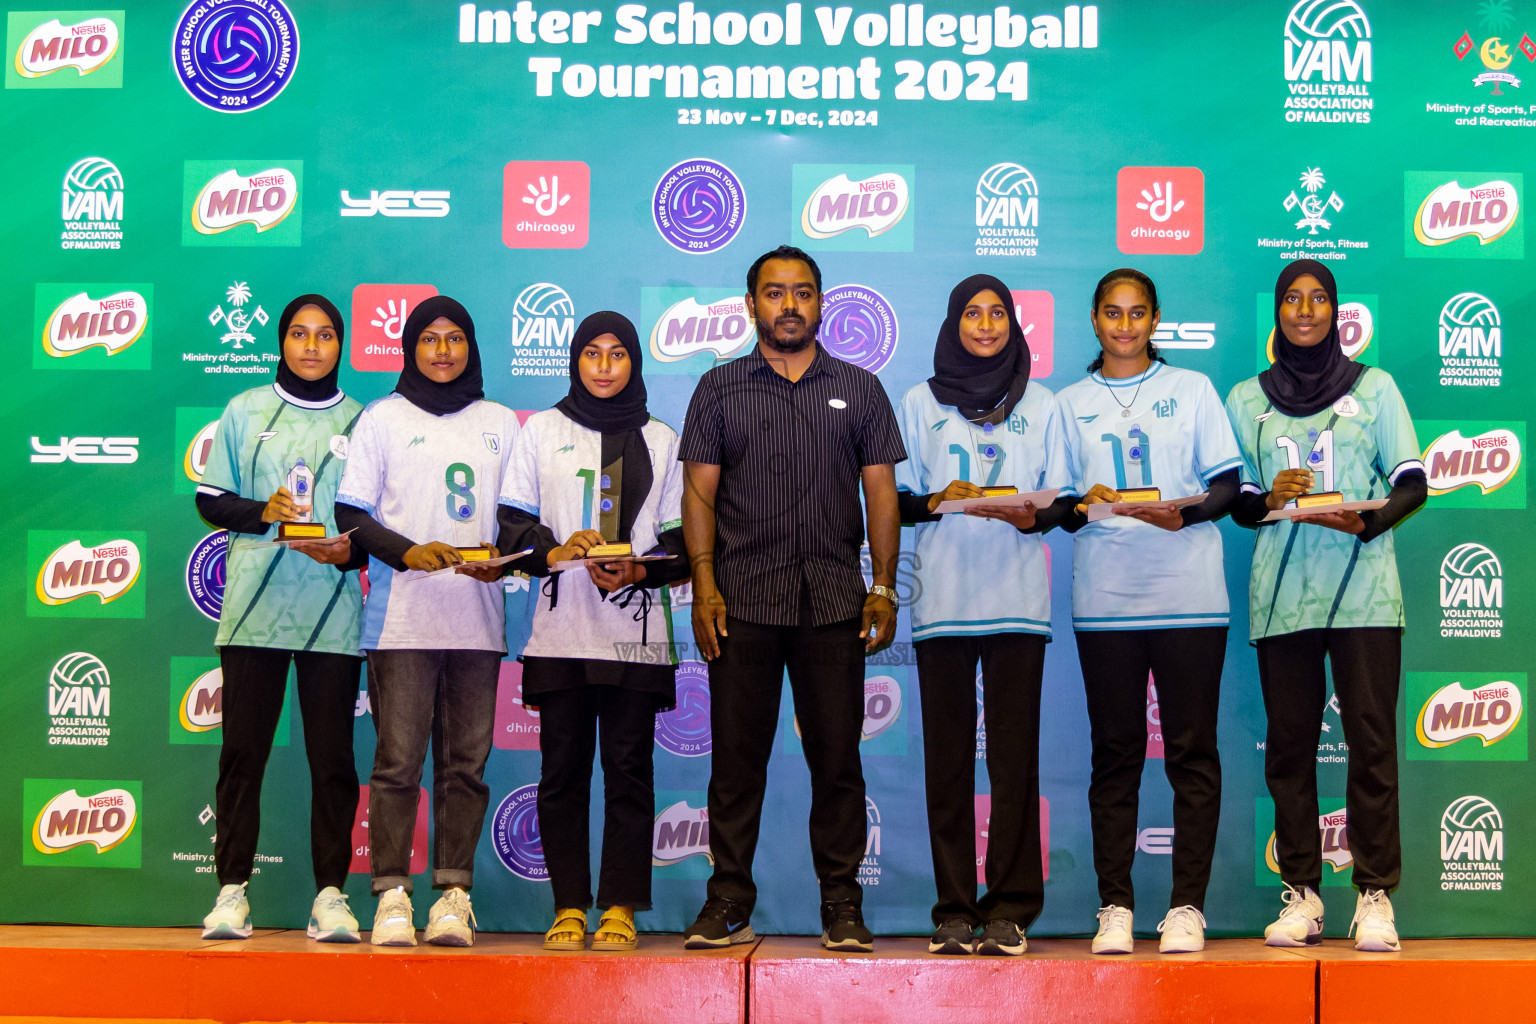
(301, 484)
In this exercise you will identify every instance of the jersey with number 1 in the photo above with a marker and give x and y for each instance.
(1307, 576)
(1163, 428)
(431, 478)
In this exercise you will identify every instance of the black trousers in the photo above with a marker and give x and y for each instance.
(255, 681)
(1367, 666)
(826, 676)
(621, 724)
(1011, 667)
(1186, 664)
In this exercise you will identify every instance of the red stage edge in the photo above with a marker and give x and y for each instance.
(169, 975)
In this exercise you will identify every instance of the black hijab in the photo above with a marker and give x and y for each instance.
(619, 418)
(984, 388)
(321, 391)
(1304, 381)
(418, 389)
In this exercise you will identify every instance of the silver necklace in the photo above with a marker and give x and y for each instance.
(1125, 410)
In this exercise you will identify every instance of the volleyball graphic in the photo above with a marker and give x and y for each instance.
(1002, 180)
(1471, 560)
(1469, 309)
(1471, 812)
(543, 299)
(92, 174)
(79, 669)
(1324, 19)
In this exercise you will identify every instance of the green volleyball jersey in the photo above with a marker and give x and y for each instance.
(1307, 576)
(274, 597)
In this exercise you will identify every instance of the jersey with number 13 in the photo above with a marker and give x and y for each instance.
(431, 478)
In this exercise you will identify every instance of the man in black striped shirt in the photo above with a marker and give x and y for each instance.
(776, 445)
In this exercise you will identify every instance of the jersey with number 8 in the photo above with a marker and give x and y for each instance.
(1307, 576)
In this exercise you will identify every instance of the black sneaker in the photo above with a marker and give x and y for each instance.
(957, 936)
(1001, 938)
(842, 928)
(721, 923)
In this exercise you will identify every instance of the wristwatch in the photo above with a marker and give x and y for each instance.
(887, 593)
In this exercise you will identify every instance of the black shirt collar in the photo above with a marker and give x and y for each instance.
(758, 363)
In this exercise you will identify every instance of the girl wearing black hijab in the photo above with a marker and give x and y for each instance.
(277, 457)
(981, 595)
(420, 490)
(597, 469)
(1326, 584)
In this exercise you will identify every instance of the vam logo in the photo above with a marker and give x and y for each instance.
(1328, 62)
(1466, 716)
(1471, 342)
(103, 820)
(1007, 212)
(1472, 846)
(1487, 459)
(87, 450)
(874, 840)
(1471, 593)
(852, 208)
(55, 54)
(202, 706)
(92, 205)
(79, 701)
(1444, 215)
(680, 831)
(543, 324)
(713, 324)
(226, 207)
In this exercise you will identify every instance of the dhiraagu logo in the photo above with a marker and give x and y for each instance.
(64, 50)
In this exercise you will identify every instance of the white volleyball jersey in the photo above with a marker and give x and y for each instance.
(1164, 428)
(556, 475)
(430, 478)
(977, 576)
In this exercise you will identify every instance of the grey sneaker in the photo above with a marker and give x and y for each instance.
(230, 917)
(392, 921)
(451, 922)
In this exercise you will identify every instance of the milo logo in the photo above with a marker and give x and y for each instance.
(1455, 713)
(81, 322)
(202, 706)
(1488, 460)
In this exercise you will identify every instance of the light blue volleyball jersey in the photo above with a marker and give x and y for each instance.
(1165, 428)
(975, 576)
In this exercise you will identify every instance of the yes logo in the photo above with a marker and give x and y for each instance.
(1160, 210)
(70, 570)
(855, 208)
(1474, 464)
(379, 312)
(225, 207)
(64, 50)
(111, 331)
(1463, 214)
(81, 823)
(1467, 716)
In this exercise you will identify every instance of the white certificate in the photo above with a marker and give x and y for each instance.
(1039, 499)
(1322, 510)
(1108, 509)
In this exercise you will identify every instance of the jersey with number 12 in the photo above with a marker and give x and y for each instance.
(1127, 574)
(1312, 577)
(431, 478)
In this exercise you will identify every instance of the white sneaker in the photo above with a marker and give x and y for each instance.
(392, 923)
(1301, 922)
(230, 917)
(452, 920)
(330, 919)
(1114, 930)
(1183, 931)
(1374, 927)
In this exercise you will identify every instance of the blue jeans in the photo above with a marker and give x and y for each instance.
(449, 697)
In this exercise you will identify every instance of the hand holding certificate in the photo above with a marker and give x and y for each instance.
(1139, 498)
(1317, 507)
(472, 562)
(999, 497)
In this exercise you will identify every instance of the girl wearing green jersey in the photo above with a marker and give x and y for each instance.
(1325, 583)
(277, 457)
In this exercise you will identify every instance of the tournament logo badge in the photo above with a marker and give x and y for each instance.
(858, 324)
(1494, 51)
(92, 205)
(79, 701)
(1466, 716)
(545, 204)
(1476, 465)
(684, 730)
(699, 206)
(680, 831)
(1007, 212)
(379, 312)
(1471, 342)
(235, 55)
(238, 320)
(1327, 53)
(94, 333)
(205, 573)
(74, 571)
(515, 834)
(693, 328)
(1471, 593)
(202, 707)
(1463, 214)
(1471, 846)
(64, 49)
(227, 207)
(543, 324)
(81, 823)
(1160, 210)
(853, 207)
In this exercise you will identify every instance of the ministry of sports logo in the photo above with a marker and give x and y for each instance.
(515, 834)
(1472, 846)
(858, 324)
(1007, 212)
(1314, 204)
(1471, 342)
(206, 571)
(685, 729)
(1327, 53)
(1494, 53)
(50, 53)
(699, 206)
(235, 55)
(1471, 593)
(543, 324)
(79, 701)
(238, 320)
(92, 205)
